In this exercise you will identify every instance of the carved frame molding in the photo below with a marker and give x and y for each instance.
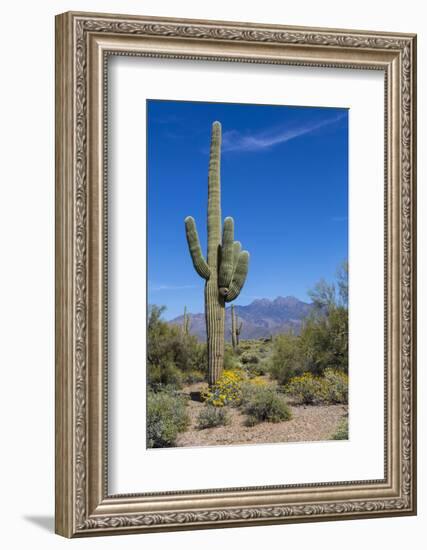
(83, 43)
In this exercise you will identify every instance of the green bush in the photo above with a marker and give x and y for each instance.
(264, 404)
(231, 361)
(244, 345)
(249, 358)
(164, 375)
(166, 417)
(342, 430)
(306, 389)
(331, 388)
(287, 359)
(256, 369)
(211, 417)
(335, 386)
(194, 376)
(170, 355)
(324, 340)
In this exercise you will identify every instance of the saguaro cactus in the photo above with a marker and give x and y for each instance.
(226, 266)
(186, 323)
(236, 329)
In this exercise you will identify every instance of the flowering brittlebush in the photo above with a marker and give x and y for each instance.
(308, 389)
(227, 390)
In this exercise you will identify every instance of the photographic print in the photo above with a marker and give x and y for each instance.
(247, 223)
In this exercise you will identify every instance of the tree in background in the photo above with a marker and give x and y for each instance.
(287, 359)
(324, 337)
(323, 341)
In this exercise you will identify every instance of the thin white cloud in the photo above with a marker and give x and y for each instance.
(167, 119)
(159, 288)
(236, 141)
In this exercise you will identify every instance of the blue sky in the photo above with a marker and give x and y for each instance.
(284, 180)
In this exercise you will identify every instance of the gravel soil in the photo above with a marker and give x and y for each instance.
(308, 423)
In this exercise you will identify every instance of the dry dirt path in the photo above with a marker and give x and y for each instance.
(308, 423)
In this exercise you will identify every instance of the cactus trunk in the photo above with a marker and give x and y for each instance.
(185, 329)
(215, 313)
(214, 302)
(233, 329)
(226, 266)
(236, 329)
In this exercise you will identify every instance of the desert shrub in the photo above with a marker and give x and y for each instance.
(198, 355)
(335, 384)
(324, 340)
(324, 335)
(194, 376)
(249, 358)
(258, 381)
(169, 354)
(306, 389)
(256, 369)
(342, 430)
(164, 375)
(166, 417)
(245, 345)
(227, 390)
(264, 404)
(309, 389)
(231, 360)
(287, 359)
(211, 417)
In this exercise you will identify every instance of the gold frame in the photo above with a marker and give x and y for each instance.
(83, 42)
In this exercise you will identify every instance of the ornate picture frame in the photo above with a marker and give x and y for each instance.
(84, 42)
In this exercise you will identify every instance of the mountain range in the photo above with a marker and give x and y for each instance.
(261, 318)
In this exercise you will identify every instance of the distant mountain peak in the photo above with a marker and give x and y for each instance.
(287, 301)
(261, 302)
(261, 318)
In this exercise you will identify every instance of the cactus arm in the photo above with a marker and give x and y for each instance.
(237, 247)
(227, 251)
(193, 241)
(239, 276)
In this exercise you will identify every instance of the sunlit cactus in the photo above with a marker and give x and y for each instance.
(236, 329)
(226, 267)
(186, 323)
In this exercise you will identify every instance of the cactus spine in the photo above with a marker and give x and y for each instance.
(226, 266)
(236, 329)
(185, 323)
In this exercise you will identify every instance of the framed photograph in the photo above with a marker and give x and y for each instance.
(235, 274)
